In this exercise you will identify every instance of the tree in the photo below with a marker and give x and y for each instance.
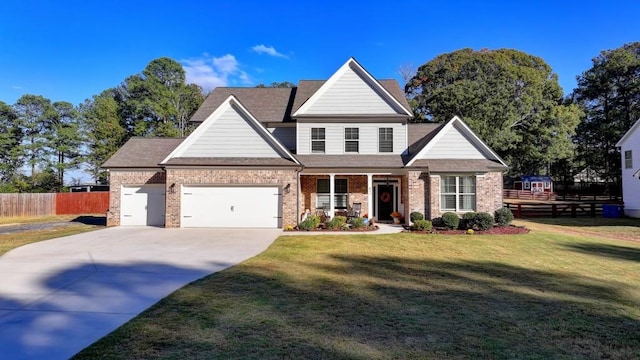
(10, 143)
(511, 99)
(275, 84)
(65, 139)
(103, 131)
(158, 102)
(609, 94)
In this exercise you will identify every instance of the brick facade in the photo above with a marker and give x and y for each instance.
(488, 194)
(178, 177)
(119, 178)
(357, 185)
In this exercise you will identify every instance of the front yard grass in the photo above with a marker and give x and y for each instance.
(543, 295)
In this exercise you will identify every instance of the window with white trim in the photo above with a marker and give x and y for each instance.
(458, 193)
(351, 140)
(385, 140)
(628, 161)
(341, 193)
(317, 140)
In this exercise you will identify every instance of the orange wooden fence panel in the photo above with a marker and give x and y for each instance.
(82, 203)
(18, 205)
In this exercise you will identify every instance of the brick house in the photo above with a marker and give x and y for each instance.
(260, 157)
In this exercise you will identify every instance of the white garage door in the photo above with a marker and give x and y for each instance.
(229, 207)
(142, 205)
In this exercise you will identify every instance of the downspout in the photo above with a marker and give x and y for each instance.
(298, 190)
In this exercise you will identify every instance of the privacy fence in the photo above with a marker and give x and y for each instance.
(53, 204)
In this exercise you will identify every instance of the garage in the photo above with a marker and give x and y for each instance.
(142, 205)
(230, 207)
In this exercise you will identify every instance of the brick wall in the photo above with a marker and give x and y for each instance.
(489, 192)
(119, 178)
(357, 190)
(280, 178)
(417, 189)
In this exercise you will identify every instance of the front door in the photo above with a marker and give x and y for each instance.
(385, 201)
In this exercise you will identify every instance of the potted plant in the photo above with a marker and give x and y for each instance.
(396, 217)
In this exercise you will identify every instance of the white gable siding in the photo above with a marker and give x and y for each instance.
(453, 145)
(350, 94)
(286, 135)
(334, 137)
(631, 184)
(230, 136)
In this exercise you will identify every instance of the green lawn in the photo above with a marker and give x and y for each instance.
(542, 295)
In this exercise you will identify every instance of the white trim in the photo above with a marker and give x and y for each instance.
(458, 193)
(211, 119)
(441, 133)
(337, 75)
(635, 126)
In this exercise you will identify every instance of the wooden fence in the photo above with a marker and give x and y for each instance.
(556, 210)
(19, 205)
(527, 195)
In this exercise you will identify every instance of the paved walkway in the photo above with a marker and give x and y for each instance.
(61, 295)
(382, 229)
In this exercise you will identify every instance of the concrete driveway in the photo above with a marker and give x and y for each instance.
(61, 295)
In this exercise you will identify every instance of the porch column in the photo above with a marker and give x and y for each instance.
(370, 195)
(332, 191)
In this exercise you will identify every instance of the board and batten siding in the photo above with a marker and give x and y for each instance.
(368, 134)
(350, 94)
(231, 135)
(453, 145)
(286, 135)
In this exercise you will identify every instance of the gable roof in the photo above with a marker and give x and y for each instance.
(419, 134)
(627, 135)
(140, 152)
(433, 139)
(353, 67)
(266, 104)
(234, 106)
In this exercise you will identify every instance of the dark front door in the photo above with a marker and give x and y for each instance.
(385, 202)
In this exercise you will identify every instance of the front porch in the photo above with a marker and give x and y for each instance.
(377, 194)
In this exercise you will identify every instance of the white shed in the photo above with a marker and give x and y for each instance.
(629, 146)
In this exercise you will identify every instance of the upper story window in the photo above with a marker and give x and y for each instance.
(351, 140)
(628, 161)
(385, 140)
(458, 193)
(317, 140)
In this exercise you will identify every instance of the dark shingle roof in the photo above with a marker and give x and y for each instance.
(459, 165)
(306, 89)
(266, 104)
(419, 134)
(227, 161)
(351, 161)
(141, 152)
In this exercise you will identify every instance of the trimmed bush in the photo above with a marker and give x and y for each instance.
(422, 225)
(483, 221)
(416, 215)
(357, 222)
(467, 221)
(310, 223)
(437, 222)
(337, 222)
(503, 216)
(451, 220)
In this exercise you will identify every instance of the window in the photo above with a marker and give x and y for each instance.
(341, 193)
(385, 140)
(628, 161)
(351, 140)
(458, 193)
(317, 140)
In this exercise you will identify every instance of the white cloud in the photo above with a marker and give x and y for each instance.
(16, 87)
(269, 50)
(210, 72)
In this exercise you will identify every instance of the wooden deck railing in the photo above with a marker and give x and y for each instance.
(527, 195)
(591, 209)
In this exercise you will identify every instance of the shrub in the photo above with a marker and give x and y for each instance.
(467, 221)
(337, 222)
(483, 221)
(357, 222)
(437, 222)
(503, 216)
(416, 215)
(422, 225)
(310, 223)
(451, 220)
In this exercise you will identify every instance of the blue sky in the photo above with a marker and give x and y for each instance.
(71, 50)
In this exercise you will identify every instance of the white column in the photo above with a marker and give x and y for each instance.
(332, 191)
(370, 195)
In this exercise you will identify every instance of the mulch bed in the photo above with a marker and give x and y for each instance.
(362, 229)
(506, 230)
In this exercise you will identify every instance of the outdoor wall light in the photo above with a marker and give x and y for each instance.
(287, 188)
(172, 188)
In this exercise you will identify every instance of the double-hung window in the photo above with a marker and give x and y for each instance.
(458, 193)
(351, 140)
(341, 194)
(317, 140)
(628, 161)
(385, 140)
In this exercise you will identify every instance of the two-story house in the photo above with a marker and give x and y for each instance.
(261, 157)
